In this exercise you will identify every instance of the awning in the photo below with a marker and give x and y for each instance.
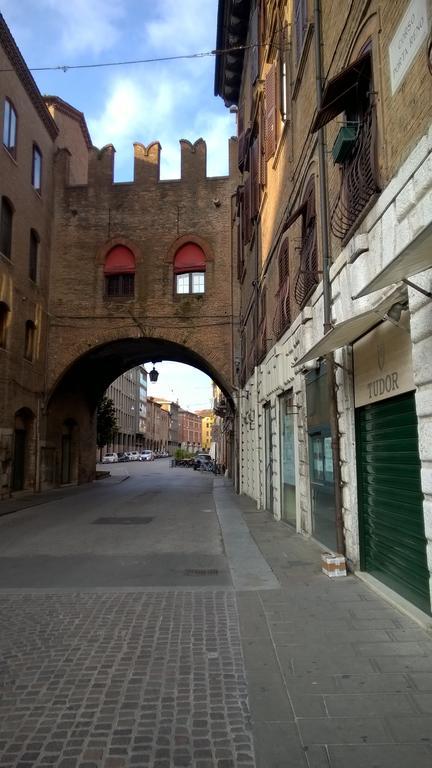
(349, 330)
(189, 258)
(339, 89)
(119, 261)
(415, 258)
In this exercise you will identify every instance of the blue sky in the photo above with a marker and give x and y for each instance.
(164, 101)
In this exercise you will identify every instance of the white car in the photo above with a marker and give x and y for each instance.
(133, 455)
(147, 456)
(110, 458)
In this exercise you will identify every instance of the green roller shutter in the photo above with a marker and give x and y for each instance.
(393, 543)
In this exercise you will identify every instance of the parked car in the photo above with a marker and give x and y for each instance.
(123, 457)
(146, 456)
(202, 461)
(133, 455)
(110, 458)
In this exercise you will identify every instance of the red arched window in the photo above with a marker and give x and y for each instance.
(119, 271)
(189, 269)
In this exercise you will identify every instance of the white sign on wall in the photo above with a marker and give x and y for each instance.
(383, 363)
(410, 34)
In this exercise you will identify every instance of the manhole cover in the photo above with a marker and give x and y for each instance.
(122, 520)
(201, 572)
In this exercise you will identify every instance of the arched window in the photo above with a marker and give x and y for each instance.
(189, 269)
(29, 344)
(4, 313)
(6, 216)
(119, 271)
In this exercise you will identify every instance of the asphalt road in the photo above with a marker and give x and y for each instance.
(148, 525)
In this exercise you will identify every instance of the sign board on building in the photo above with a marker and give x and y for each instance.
(383, 363)
(410, 35)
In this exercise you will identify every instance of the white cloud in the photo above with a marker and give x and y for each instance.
(86, 25)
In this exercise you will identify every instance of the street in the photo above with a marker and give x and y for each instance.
(155, 619)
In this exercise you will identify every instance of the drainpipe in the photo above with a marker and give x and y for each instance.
(327, 295)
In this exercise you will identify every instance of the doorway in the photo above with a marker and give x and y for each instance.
(268, 458)
(24, 420)
(288, 470)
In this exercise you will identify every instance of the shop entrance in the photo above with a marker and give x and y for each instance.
(390, 498)
(288, 470)
(321, 458)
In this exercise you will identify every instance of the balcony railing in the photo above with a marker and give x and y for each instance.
(282, 317)
(307, 275)
(359, 179)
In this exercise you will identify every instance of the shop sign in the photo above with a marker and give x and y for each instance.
(409, 37)
(383, 363)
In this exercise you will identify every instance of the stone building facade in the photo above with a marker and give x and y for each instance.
(140, 274)
(190, 430)
(158, 426)
(333, 241)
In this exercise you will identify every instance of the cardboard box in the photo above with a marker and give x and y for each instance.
(333, 565)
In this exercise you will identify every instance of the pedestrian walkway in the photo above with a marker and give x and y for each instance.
(337, 677)
(284, 668)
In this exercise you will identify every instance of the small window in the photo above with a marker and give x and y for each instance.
(9, 128)
(30, 333)
(37, 168)
(33, 255)
(6, 216)
(300, 25)
(119, 271)
(120, 285)
(189, 269)
(4, 314)
(191, 282)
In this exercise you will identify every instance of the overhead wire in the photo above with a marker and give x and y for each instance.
(154, 60)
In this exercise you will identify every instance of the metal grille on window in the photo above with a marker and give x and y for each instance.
(307, 275)
(359, 182)
(262, 328)
(282, 318)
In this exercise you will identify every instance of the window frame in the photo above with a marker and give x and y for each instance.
(36, 174)
(4, 315)
(11, 148)
(121, 278)
(190, 274)
(29, 341)
(5, 203)
(34, 242)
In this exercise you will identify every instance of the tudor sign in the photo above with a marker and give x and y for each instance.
(383, 363)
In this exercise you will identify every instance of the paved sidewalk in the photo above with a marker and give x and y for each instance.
(321, 673)
(336, 676)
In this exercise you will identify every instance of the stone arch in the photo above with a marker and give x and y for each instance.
(82, 383)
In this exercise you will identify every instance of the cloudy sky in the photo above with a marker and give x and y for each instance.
(164, 101)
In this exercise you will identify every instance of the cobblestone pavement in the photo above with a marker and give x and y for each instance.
(150, 678)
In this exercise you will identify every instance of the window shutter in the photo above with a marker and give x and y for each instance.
(241, 139)
(254, 176)
(254, 51)
(262, 170)
(270, 97)
(247, 211)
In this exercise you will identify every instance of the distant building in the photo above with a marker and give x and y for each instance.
(208, 419)
(189, 430)
(158, 426)
(173, 410)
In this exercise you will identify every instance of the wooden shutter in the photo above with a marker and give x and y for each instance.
(270, 99)
(254, 42)
(254, 176)
(247, 210)
(262, 170)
